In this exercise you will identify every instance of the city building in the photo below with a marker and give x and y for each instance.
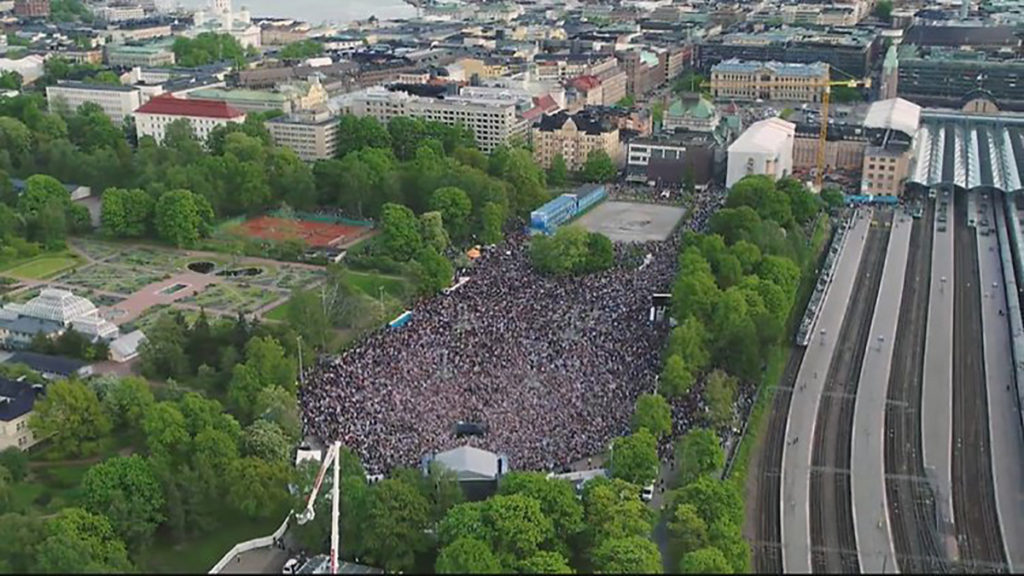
(29, 67)
(152, 118)
(750, 80)
(139, 30)
(493, 122)
(673, 159)
(288, 98)
(219, 17)
(645, 70)
(130, 56)
(691, 112)
(844, 147)
(563, 66)
(574, 137)
(117, 102)
(31, 8)
(849, 51)
(765, 148)
(312, 135)
(126, 347)
(890, 155)
(890, 74)
(584, 91)
(119, 13)
(52, 313)
(52, 367)
(940, 77)
(17, 400)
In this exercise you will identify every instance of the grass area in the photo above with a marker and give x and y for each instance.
(279, 314)
(199, 555)
(43, 266)
(370, 283)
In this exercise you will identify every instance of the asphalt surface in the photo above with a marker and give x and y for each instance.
(800, 424)
(974, 509)
(874, 538)
(833, 537)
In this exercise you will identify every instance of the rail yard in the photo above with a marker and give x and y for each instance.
(896, 442)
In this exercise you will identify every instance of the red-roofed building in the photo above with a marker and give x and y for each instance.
(584, 91)
(152, 118)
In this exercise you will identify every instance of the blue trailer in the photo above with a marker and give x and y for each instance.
(549, 216)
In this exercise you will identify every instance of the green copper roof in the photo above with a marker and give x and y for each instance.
(701, 108)
(238, 95)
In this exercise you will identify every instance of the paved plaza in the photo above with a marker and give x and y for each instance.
(633, 221)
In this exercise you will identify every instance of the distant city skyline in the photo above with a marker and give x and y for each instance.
(317, 11)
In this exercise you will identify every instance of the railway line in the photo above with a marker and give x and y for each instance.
(833, 539)
(768, 553)
(974, 508)
(909, 493)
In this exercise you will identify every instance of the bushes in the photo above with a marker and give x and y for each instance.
(571, 250)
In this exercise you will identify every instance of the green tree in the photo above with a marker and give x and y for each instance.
(400, 233)
(705, 561)
(125, 490)
(266, 366)
(492, 218)
(127, 402)
(630, 555)
(397, 517)
(545, 562)
(516, 167)
(654, 414)
(178, 218)
(698, 453)
(687, 529)
(566, 252)
(301, 49)
(634, 458)
(258, 488)
(599, 167)
(71, 416)
(356, 133)
(207, 48)
(435, 271)
(279, 406)
(726, 536)
(688, 340)
(15, 462)
(433, 231)
(464, 520)
(518, 527)
(883, 10)
(676, 377)
(10, 80)
(467, 556)
(558, 173)
(81, 542)
(20, 537)
(833, 198)
(714, 500)
(266, 441)
(166, 432)
(6, 490)
(557, 499)
(747, 254)
(600, 253)
(613, 509)
(455, 208)
(306, 315)
(720, 392)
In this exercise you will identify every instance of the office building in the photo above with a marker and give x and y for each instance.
(947, 77)
(288, 98)
(130, 56)
(750, 81)
(152, 118)
(312, 135)
(766, 148)
(117, 102)
(673, 159)
(574, 137)
(494, 122)
(849, 52)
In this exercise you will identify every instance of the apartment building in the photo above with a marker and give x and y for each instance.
(152, 118)
(17, 400)
(117, 102)
(493, 121)
(313, 136)
(561, 67)
(574, 137)
(850, 50)
(31, 8)
(750, 80)
(130, 56)
(645, 70)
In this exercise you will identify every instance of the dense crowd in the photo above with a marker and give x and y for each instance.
(552, 366)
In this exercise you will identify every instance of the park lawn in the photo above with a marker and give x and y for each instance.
(198, 555)
(279, 313)
(370, 283)
(41, 267)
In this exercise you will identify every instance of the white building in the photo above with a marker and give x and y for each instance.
(152, 118)
(764, 148)
(117, 102)
(312, 135)
(52, 313)
(17, 400)
(30, 67)
(220, 18)
(493, 120)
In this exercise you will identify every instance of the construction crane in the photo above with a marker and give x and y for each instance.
(826, 85)
(332, 457)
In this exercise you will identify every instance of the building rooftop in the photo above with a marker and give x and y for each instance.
(699, 107)
(735, 65)
(894, 114)
(73, 85)
(46, 363)
(239, 95)
(764, 136)
(16, 399)
(584, 122)
(970, 151)
(171, 106)
(55, 305)
(469, 463)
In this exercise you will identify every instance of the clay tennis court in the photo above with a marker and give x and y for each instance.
(311, 233)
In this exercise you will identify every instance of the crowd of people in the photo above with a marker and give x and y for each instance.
(552, 366)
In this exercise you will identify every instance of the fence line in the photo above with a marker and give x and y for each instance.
(261, 542)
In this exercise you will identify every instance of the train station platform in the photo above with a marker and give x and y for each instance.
(803, 411)
(1003, 419)
(870, 510)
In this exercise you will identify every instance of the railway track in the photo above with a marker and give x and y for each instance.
(910, 497)
(833, 539)
(768, 553)
(974, 508)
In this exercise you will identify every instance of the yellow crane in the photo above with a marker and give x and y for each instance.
(760, 87)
